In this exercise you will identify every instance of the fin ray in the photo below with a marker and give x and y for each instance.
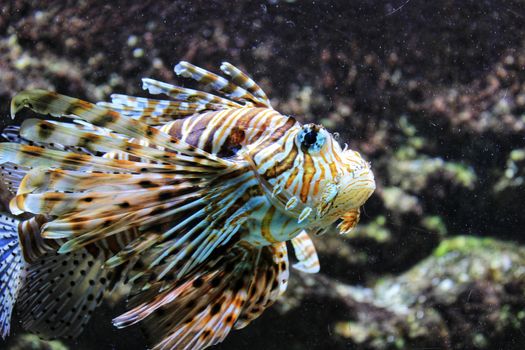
(305, 252)
(202, 308)
(61, 293)
(47, 102)
(240, 78)
(154, 111)
(11, 267)
(178, 93)
(214, 81)
(45, 131)
(32, 156)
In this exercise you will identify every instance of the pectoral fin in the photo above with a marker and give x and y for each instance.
(305, 252)
(350, 220)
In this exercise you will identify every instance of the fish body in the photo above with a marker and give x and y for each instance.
(190, 199)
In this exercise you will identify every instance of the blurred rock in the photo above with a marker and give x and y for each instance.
(467, 294)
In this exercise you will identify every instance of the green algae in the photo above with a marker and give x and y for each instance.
(33, 342)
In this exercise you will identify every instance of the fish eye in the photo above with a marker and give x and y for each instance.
(312, 138)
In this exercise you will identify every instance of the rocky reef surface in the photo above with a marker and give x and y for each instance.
(467, 294)
(432, 93)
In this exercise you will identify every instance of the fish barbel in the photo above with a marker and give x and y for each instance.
(189, 199)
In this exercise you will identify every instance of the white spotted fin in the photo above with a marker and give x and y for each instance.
(11, 176)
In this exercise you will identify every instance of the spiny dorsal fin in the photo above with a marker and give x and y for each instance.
(204, 187)
(240, 78)
(178, 93)
(217, 83)
(186, 102)
(47, 102)
(156, 112)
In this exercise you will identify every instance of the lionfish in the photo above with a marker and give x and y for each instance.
(190, 200)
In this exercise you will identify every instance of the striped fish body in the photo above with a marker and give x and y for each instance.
(191, 199)
(235, 133)
(240, 133)
(270, 140)
(283, 164)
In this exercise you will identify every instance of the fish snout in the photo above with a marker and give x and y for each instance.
(357, 187)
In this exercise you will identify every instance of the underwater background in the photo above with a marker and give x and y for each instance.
(431, 93)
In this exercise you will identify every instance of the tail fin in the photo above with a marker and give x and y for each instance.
(61, 292)
(200, 309)
(11, 267)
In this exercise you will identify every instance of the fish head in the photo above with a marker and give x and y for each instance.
(348, 191)
(313, 178)
(348, 178)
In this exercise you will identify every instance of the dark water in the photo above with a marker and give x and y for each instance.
(431, 93)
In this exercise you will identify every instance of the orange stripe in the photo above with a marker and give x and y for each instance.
(265, 225)
(336, 156)
(276, 135)
(333, 169)
(284, 165)
(291, 177)
(321, 177)
(331, 165)
(309, 171)
(229, 118)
